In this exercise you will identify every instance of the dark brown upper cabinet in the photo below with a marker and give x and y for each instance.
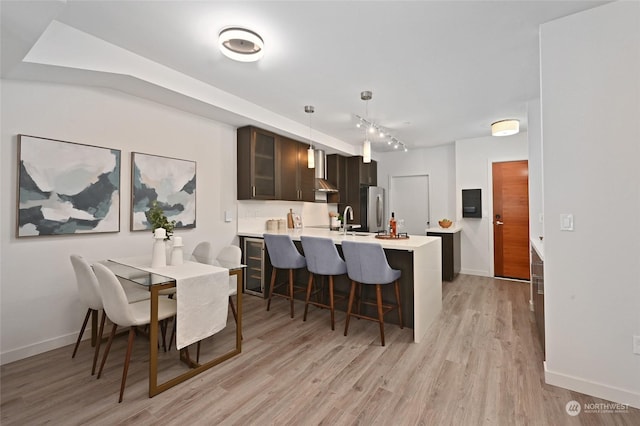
(272, 167)
(256, 164)
(337, 175)
(297, 182)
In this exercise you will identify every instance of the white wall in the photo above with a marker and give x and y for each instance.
(590, 130)
(473, 170)
(534, 130)
(536, 197)
(437, 162)
(39, 306)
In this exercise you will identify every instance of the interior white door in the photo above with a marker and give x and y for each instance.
(409, 200)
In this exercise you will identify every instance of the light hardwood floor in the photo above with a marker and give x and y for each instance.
(481, 363)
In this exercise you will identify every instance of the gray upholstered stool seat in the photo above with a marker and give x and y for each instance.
(367, 264)
(322, 259)
(284, 255)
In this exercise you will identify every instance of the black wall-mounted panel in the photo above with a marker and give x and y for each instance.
(472, 203)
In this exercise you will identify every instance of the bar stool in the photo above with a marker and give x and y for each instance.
(284, 255)
(322, 259)
(367, 264)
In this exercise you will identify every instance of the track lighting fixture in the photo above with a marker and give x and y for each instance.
(382, 133)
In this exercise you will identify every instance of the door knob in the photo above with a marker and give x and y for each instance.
(499, 223)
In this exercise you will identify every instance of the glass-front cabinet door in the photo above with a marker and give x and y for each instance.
(256, 164)
(264, 168)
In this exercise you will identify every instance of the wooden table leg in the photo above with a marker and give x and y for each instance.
(196, 368)
(153, 343)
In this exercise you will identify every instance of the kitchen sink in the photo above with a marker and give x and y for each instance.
(354, 234)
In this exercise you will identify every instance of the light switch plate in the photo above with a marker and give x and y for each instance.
(566, 222)
(228, 217)
(636, 345)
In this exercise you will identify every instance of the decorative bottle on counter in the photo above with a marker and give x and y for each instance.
(392, 225)
(290, 219)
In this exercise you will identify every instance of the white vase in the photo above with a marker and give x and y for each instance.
(159, 256)
(176, 256)
(168, 246)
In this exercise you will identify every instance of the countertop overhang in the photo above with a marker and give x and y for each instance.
(411, 243)
(538, 247)
(450, 230)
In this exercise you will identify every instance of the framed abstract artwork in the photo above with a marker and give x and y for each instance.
(66, 188)
(168, 181)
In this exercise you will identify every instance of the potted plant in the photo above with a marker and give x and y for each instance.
(158, 219)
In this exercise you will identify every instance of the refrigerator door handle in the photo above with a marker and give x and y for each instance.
(379, 211)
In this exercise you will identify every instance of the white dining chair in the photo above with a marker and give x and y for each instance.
(125, 314)
(202, 253)
(230, 255)
(89, 292)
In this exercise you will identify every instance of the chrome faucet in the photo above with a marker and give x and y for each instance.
(344, 217)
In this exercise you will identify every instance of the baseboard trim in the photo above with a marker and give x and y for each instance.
(598, 390)
(475, 272)
(40, 347)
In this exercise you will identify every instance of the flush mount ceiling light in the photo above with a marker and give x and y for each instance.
(241, 44)
(505, 127)
(311, 158)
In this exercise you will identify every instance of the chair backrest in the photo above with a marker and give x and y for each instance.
(367, 263)
(322, 256)
(87, 283)
(230, 254)
(283, 252)
(202, 253)
(114, 298)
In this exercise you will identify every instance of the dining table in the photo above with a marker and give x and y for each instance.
(202, 292)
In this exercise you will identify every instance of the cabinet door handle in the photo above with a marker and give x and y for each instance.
(253, 191)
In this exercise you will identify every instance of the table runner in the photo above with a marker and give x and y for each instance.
(202, 297)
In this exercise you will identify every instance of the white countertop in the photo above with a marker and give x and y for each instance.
(414, 241)
(450, 230)
(538, 247)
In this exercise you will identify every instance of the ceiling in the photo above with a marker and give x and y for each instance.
(439, 70)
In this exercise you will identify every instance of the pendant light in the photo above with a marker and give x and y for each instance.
(366, 152)
(311, 158)
(366, 145)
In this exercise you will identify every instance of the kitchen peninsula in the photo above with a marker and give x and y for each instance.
(419, 258)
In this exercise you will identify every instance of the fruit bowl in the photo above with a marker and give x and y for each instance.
(445, 223)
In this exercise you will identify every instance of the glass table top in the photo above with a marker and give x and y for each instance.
(136, 275)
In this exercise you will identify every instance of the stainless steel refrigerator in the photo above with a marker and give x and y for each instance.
(372, 211)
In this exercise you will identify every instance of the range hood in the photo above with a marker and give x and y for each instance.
(322, 184)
